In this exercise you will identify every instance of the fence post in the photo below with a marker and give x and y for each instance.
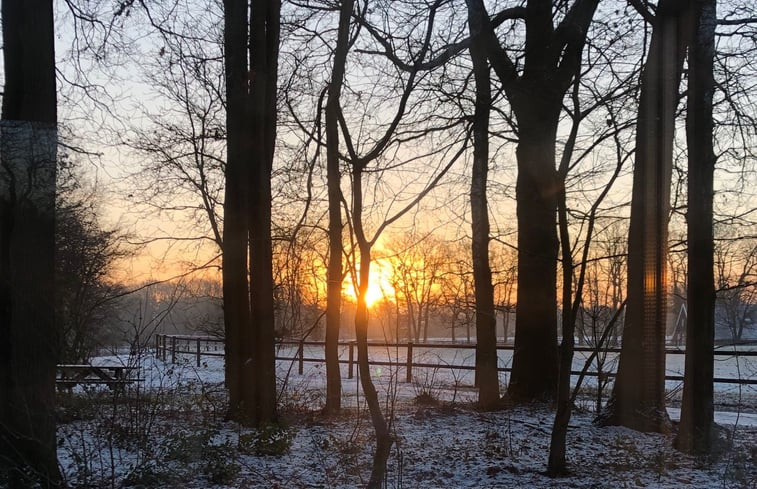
(351, 360)
(409, 366)
(157, 346)
(173, 349)
(300, 354)
(165, 346)
(198, 352)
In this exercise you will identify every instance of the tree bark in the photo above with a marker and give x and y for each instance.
(235, 286)
(696, 431)
(28, 333)
(380, 426)
(535, 359)
(551, 61)
(248, 256)
(557, 463)
(333, 175)
(486, 334)
(638, 397)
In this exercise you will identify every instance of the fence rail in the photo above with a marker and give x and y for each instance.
(171, 345)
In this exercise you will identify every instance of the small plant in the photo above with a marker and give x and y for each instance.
(271, 440)
(148, 475)
(187, 446)
(198, 450)
(739, 471)
(427, 387)
(219, 464)
(425, 399)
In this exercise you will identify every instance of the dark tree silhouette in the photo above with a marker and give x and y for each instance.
(28, 146)
(487, 377)
(696, 430)
(638, 397)
(335, 273)
(552, 58)
(251, 133)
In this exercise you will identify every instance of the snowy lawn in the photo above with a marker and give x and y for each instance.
(169, 432)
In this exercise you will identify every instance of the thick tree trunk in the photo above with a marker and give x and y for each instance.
(235, 293)
(264, 55)
(638, 397)
(535, 359)
(696, 430)
(486, 333)
(552, 59)
(247, 250)
(333, 175)
(28, 334)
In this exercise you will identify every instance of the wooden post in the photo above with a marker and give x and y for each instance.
(409, 366)
(198, 352)
(351, 361)
(165, 346)
(173, 349)
(300, 353)
(157, 346)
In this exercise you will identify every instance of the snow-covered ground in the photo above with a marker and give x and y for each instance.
(169, 432)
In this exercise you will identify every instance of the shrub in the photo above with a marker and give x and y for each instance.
(271, 440)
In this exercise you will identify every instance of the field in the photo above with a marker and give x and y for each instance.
(170, 432)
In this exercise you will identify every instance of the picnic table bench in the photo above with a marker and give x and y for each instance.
(114, 376)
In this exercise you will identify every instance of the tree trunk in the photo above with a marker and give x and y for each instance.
(696, 430)
(251, 120)
(505, 325)
(426, 313)
(264, 55)
(334, 287)
(638, 397)
(552, 59)
(557, 464)
(486, 333)
(535, 359)
(28, 334)
(381, 429)
(235, 287)
(380, 426)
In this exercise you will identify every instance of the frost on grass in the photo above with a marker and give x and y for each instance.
(171, 432)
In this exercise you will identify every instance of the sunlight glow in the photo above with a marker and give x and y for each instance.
(379, 288)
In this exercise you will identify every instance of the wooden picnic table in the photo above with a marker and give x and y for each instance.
(70, 375)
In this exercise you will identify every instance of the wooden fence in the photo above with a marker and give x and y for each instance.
(170, 345)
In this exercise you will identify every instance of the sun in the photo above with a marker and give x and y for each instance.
(378, 290)
(379, 287)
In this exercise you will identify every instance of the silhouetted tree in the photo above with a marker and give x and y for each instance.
(333, 175)
(28, 337)
(696, 431)
(535, 89)
(251, 45)
(638, 397)
(487, 376)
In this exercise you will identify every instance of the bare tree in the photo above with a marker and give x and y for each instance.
(572, 271)
(552, 60)
(487, 376)
(251, 86)
(736, 279)
(638, 398)
(696, 431)
(417, 261)
(28, 147)
(335, 273)
(370, 152)
(457, 291)
(85, 254)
